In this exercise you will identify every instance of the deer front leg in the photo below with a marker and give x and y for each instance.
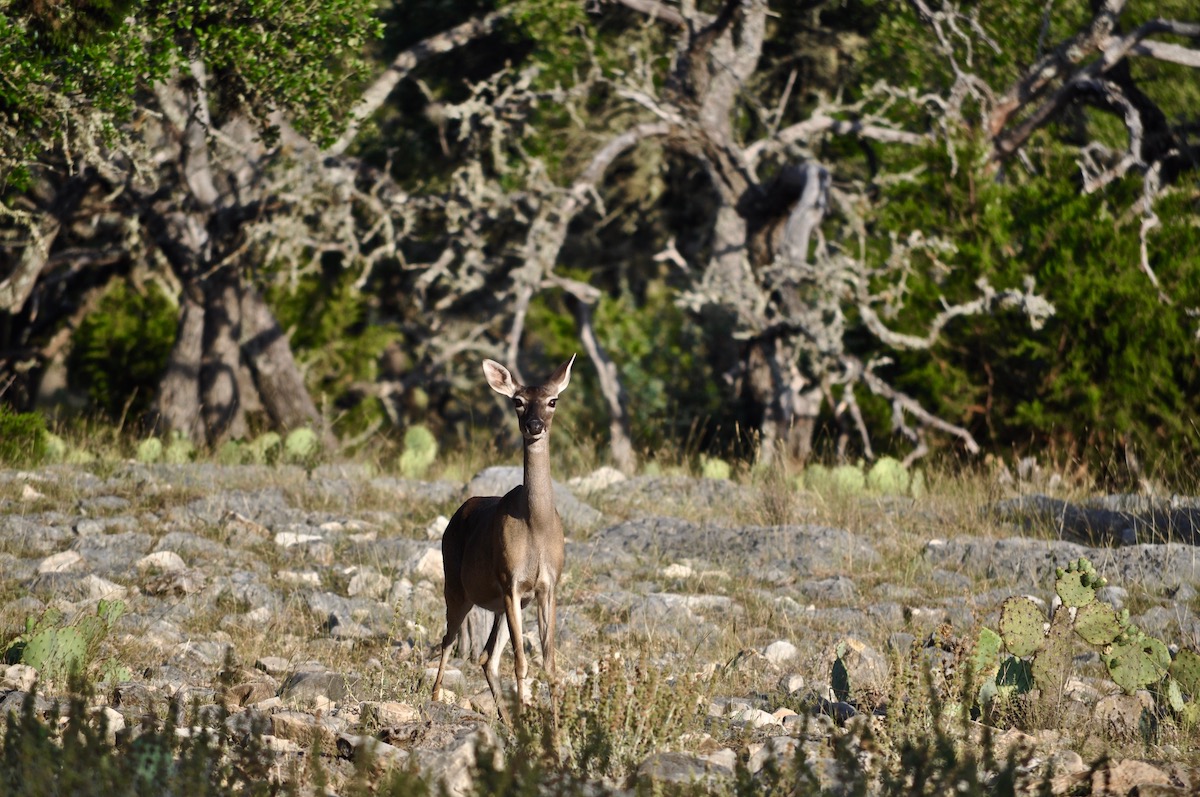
(512, 610)
(546, 620)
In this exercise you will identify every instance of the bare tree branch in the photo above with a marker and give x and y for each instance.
(378, 92)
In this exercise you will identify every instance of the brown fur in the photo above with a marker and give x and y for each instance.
(500, 553)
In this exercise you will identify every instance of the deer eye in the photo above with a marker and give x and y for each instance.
(519, 403)
(553, 403)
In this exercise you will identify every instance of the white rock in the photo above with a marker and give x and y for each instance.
(300, 578)
(676, 570)
(166, 561)
(780, 652)
(96, 588)
(429, 565)
(30, 494)
(792, 683)
(598, 479)
(286, 539)
(369, 584)
(754, 717)
(19, 676)
(60, 562)
(437, 527)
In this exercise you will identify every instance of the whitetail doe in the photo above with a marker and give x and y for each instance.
(500, 552)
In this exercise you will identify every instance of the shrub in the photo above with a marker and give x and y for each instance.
(22, 437)
(120, 350)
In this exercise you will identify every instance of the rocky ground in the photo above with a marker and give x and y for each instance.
(309, 605)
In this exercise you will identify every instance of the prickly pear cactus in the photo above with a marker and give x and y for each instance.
(1135, 660)
(1013, 678)
(55, 652)
(1053, 659)
(1022, 626)
(1099, 624)
(1077, 583)
(1186, 671)
(840, 675)
(987, 653)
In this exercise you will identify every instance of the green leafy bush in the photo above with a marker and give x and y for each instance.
(22, 437)
(120, 350)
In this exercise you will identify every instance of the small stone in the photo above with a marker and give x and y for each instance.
(1122, 777)
(429, 565)
(780, 652)
(387, 713)
(21, 677)
(676, 571)
(300, 578)
(754, 718)
(290, 539)
(60, 562)
(437, 527)
(28, 494)
(369, 584)
(792, 683)
(164, 561)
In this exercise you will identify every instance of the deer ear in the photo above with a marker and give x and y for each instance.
(561, 376)
(499, 378)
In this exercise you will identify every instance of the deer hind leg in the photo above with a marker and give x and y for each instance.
(456, 612)
(490, 660)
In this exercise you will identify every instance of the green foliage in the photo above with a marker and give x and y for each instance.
(119, 351)
(420, 451)
(23, 438)
(336, 342)
(73, 74)
(661, 357)
(1017, 387)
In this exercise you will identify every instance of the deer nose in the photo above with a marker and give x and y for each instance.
(535, 426)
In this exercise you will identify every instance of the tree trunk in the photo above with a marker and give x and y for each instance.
(219, 396)
(178, 405)
(276, 375)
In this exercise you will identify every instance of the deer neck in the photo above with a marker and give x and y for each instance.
(539, 490)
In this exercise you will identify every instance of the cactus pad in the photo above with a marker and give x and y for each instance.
(1186, 670)
(1022, 626)
(55, 652)
(1077, 583)
(1051, 662)
(986, 653)
(1014, 677)
(1098, 623)
(1136, 660)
